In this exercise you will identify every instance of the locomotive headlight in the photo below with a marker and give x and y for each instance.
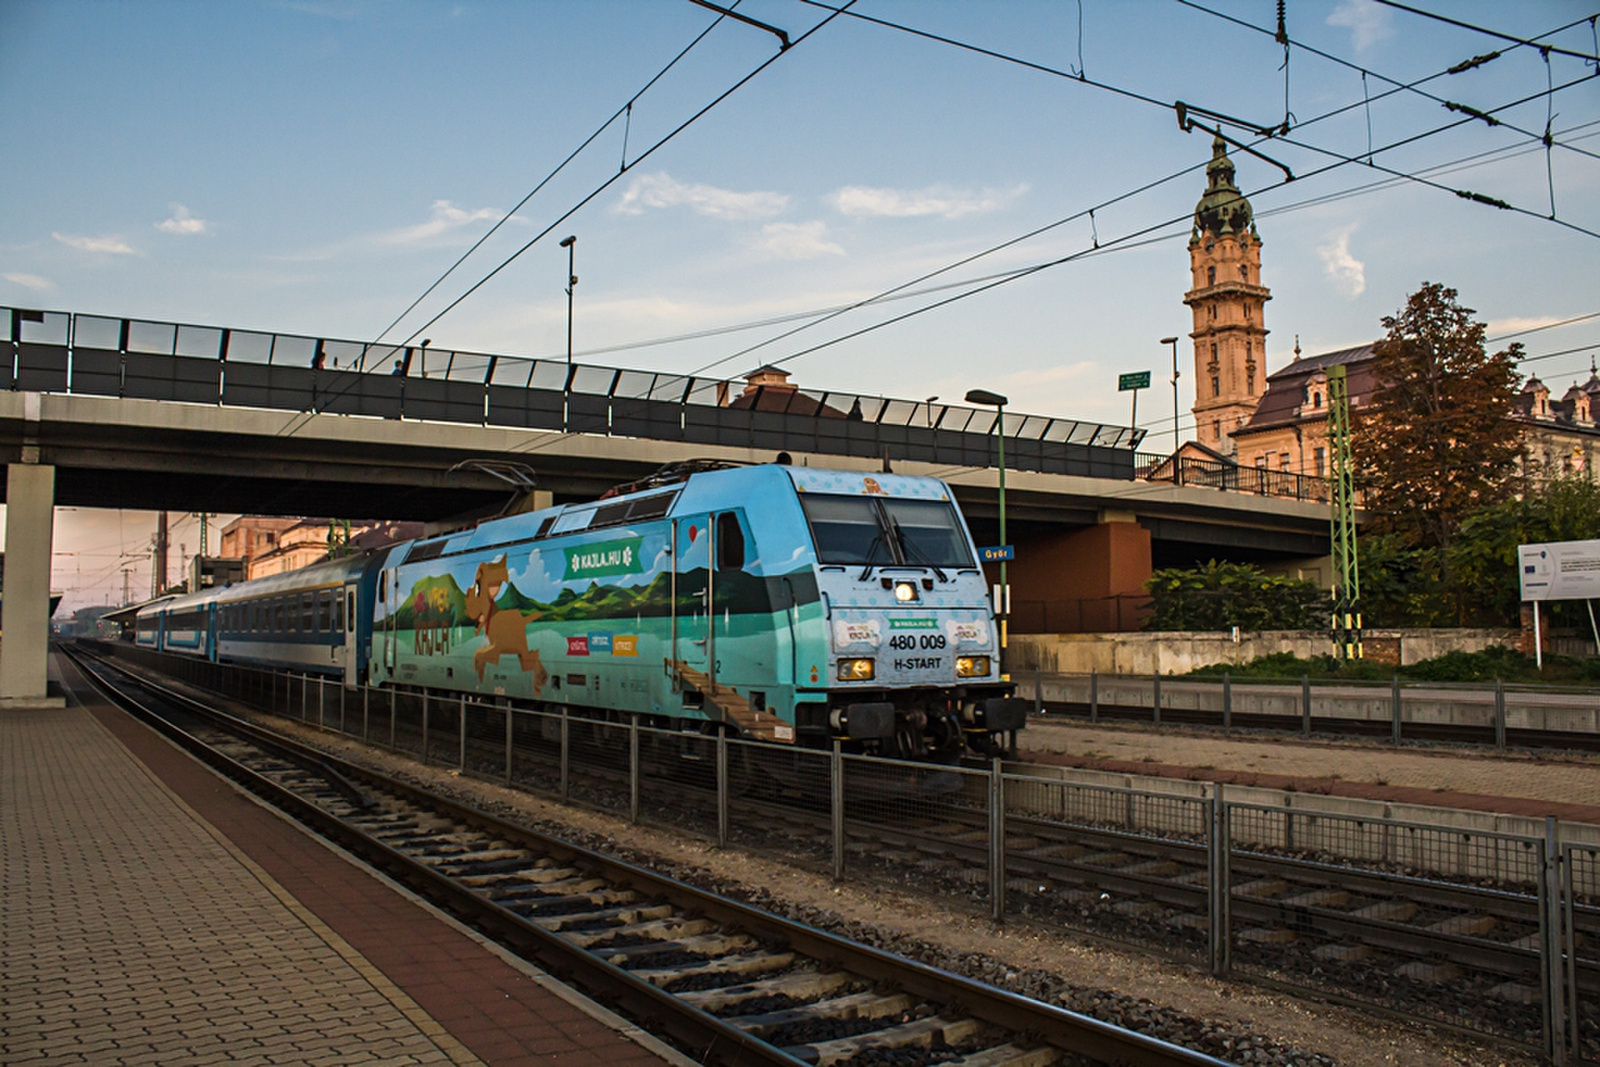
(905, 591)
(855, 670)
(972, 666)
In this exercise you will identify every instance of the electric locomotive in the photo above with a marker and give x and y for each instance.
(789, 604)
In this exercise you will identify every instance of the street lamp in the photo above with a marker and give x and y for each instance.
(426, 341)
(572, 280)
(1003, 601)
(1173, 341)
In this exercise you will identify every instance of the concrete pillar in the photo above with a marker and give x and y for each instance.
(25, 613)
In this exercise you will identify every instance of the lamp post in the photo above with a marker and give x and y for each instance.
(426, 341)
(1173, 341)
(1003, 601)
(572, 281)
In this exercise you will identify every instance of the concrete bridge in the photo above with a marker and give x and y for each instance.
(101, 412)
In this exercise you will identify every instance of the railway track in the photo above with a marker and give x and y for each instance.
(724, 981)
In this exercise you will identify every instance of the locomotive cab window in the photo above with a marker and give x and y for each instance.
(730, 542)
(928, 532)
(846, 529)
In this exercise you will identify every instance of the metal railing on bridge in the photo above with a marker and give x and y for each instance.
(68, 352)
(1222, 474)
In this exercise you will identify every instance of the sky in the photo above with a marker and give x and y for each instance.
(314, 166)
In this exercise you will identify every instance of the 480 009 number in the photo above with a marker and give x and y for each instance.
(907, 642)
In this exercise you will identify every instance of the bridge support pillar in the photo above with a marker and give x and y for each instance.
(25, 610)
(1082, 581)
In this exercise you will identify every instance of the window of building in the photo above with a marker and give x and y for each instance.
(1211, 276)
(1321, 458)
(1283, 461)
(1216, 385)
(1213, 309)
(1250, 383)
(1261, 461)
(1216, 430)
(1213, 351)
(1316, 400)
(1244, 273)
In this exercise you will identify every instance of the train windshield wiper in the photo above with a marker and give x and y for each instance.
(906, 550)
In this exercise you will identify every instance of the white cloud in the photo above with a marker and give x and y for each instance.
(182, 222)
(802, 240)
(861, 200)
(1368, 23)
(660, 190)
(446, 217)
(1349, 274)
(115, 246)
(29, 281)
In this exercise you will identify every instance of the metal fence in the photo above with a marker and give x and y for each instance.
(1490, 932)
(1488, 713)
(1230, 476)
(66, 352)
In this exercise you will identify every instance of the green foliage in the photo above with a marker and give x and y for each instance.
(1506, 664)
(1432, 442)
(1401, 585)
(1220, 596)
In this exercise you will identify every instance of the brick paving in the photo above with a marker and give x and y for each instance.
(1566, 785)
(152, 913)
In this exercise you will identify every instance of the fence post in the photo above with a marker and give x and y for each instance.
(1094, 696)
(1305, 705)
(1394, 701)
(1038, 691)
(1551, 948)
(1227, 701)
(366, 709)
(304, 698)
(1220, 885)
(997, 842)
(391, 717)
(565, 736)
(633, 770)
(1155, 699)
(722, 789)
(461, 745)
(508, 742)
(836, 806)
(424, 726)
(1499, 714)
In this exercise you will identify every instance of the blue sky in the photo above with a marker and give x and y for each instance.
(312, 167)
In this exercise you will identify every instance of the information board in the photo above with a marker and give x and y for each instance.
(1560, 570)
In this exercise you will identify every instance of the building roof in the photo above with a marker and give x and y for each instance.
(1223, 209)
(1283, 403)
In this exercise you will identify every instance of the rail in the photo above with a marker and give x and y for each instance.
(92, 355)
(1391, 906)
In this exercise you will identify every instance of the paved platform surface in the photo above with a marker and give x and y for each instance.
(152, 913)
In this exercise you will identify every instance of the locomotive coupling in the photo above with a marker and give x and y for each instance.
(863, 722)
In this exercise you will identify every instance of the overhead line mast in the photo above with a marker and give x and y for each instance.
(1346, 564)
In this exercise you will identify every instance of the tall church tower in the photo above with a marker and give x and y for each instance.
(1228, 299)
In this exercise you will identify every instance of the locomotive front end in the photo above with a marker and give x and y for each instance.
(907, 659)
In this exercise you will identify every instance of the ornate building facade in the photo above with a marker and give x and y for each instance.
(1228, 303)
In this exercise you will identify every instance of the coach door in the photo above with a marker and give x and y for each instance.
(345, 613)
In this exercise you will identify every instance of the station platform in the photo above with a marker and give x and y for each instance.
(153, 913)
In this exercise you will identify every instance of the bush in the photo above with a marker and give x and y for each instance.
(1220, 596)
(1506, 664)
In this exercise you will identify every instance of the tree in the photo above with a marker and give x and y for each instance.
(1219, 596)
(1482, 558)
(1433, 442)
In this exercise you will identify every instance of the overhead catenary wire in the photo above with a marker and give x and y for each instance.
(295, 425)
(1491, 33)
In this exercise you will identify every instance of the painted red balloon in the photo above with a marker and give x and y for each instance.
(694, 531)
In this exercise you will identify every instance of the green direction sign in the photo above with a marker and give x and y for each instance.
(1136, 380)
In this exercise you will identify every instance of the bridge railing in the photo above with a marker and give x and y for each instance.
(1222, 474)
(67, 352)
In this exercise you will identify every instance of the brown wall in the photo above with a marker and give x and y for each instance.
(1085, 580)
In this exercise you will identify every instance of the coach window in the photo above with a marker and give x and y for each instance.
(730, 542)
(338, 613)
(308, 620)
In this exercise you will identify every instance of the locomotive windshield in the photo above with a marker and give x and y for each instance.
(876, 531)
